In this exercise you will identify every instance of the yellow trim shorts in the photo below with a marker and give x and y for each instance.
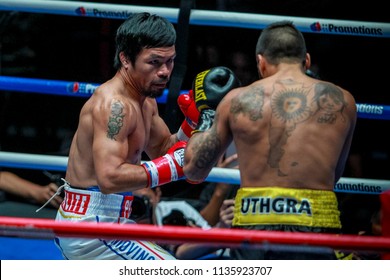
(276, 206)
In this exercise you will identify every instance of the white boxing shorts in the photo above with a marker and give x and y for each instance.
(91, 205)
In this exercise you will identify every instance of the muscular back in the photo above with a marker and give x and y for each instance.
(290, 131)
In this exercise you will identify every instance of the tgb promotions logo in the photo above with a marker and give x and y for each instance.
(345, 29)
(78, 88)
(98, 12)
(80, 11)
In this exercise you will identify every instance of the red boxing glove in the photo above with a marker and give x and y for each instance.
(187, 105)
(167, 168)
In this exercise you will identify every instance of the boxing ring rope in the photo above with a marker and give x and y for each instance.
(217, 174)
(45, 228)
(57, 87)
(199, 17)
(84, 89)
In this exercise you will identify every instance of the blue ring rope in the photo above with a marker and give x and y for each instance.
(83, 89)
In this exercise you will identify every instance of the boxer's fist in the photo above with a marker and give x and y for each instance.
(187, 105)
(212, 85)
(167, 168)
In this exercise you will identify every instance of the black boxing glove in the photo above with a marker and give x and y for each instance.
(209, 88)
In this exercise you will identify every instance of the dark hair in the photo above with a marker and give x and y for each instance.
(177, 218)
(282, 42)
(142, 30)
(141, 208)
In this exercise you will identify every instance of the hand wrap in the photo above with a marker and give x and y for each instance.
(167, 168)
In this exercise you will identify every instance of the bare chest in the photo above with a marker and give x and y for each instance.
(138, 140)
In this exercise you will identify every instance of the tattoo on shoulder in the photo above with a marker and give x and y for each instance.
(115, 121)
(330, 103)
(250, 104)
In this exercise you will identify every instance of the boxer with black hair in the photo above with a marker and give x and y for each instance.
(292, 133)
(117, 125)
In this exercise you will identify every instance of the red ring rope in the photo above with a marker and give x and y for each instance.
(45, 228)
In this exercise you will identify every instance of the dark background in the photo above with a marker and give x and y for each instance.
(81, 49)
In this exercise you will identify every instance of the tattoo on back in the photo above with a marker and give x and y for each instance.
(291, 106)
(330, 102)
(115, 121)
(250, 105)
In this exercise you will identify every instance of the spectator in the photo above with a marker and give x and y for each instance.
(242, 67)
(30, 191)
(149, 208)
(213, 194)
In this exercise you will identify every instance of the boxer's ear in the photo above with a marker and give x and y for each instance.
(261, 65)
(124, 60)
(307, 61)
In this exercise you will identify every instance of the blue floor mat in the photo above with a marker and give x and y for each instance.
(15, 248)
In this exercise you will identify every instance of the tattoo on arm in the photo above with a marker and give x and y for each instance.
(207, 150)
(115, 121)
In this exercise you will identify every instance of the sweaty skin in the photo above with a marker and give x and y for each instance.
(290, 130)
(119, 122)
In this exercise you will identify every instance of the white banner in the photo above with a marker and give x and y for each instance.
(190, 269)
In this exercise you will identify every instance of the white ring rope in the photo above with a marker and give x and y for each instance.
(199, 17)
(217, 174)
